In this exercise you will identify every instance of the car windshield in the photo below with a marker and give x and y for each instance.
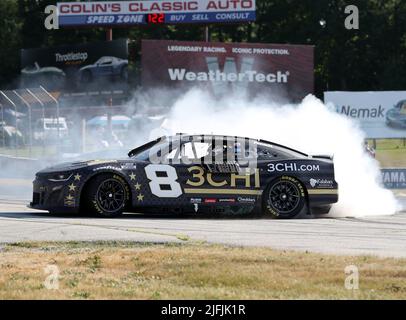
(171, 151)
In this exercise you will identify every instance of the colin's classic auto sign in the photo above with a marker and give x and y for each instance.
(139, 12)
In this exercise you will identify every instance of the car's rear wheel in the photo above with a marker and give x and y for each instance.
(284, 198)
(106, 195)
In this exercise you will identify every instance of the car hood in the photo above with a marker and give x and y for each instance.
(70, 166)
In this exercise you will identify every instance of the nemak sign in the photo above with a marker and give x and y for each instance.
(219, 67)
(381, 114)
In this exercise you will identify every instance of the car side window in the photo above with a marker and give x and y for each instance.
(107, 61)
(270, 153)
(189, 150)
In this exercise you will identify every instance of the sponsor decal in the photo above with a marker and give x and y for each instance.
(196, 200)
(71, 57)
(69, 201)
(394, 178)
(225, 67)
(290, 166)
(176, 74)
(229, 200)
(378, 113)
(128, 165)
(246, 200)
(321, 183)
(210, 200)
(362, 113)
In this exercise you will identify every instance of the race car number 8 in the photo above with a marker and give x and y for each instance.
(163, 182)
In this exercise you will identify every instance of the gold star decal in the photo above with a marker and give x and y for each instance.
(132, 176)
(72, 187)
(69, 197)
(77, 177)
(137, 186)
(140, 197)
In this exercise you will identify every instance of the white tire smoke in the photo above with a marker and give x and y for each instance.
(310, 127)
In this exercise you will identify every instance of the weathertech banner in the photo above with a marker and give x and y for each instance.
(381, 114)
(285, 70)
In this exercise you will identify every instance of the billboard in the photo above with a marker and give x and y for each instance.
(113, 13)
(223, 67)
(76, 67)
(394, 178)
(381, 114)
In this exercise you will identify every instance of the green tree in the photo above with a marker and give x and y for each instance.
(10, 42)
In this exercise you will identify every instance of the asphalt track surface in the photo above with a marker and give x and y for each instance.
(380, 236)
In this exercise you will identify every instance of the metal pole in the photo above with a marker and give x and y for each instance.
(43, 118)
(57, 116)
(206, 34)
(83, 130)
(29, 120)
(109, 37)
(3, 131)
(15, 108)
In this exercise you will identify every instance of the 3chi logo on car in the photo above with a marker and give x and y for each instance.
(293, 167)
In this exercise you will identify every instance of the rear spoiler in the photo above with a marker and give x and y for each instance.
(327, 157)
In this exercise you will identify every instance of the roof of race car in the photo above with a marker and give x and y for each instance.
(186, 137)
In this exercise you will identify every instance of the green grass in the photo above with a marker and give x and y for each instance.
(123, 270)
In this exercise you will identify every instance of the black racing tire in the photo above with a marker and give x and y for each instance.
(284, 198)
(106, 195)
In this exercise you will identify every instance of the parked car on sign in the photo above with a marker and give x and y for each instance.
(396, 117)
(105, 67)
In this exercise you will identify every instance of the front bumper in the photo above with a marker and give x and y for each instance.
(53, 196)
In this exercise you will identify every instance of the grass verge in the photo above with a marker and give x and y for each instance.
(118, 270)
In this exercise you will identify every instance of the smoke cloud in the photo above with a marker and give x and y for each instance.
(310, 127)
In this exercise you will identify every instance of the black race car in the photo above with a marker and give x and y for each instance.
(193, 174)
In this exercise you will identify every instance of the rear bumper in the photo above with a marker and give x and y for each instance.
(321, 200)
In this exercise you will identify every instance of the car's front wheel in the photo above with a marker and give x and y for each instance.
(106, 195)
(284, 198)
